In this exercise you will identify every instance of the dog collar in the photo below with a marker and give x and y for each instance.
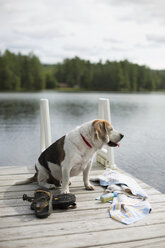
(85, 141)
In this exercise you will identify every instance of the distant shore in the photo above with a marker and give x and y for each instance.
(119, 91)
(22, 73)
(76, 90)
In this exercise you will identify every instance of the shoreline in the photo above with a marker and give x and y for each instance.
(81, 90)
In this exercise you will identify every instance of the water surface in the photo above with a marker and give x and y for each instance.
(140, 117)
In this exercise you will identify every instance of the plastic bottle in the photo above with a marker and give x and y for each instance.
(107, 197)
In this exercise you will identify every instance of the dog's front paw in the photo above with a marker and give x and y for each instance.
(89, 187)
(65, 191)
(51, 186)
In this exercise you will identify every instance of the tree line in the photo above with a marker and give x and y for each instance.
(26, 73)
(22, 73)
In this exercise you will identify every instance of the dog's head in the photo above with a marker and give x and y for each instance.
(105, 133)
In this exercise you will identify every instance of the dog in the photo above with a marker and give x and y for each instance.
(72, 154)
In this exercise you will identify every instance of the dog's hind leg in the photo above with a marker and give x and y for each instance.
(42, 179)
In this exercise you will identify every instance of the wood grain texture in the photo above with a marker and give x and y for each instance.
(87, 226)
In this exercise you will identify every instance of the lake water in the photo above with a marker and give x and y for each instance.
(140, 117)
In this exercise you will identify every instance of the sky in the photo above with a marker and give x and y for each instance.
(90, 29)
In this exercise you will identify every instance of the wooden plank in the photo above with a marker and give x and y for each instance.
(77, 181)
(15, 170)
(68, 228)
(88, 238)
(11, 194)
(145, 243)
(19, 194)
(82, 210)
(61, 216)
(89, 196)
(32, 187)
(23, 170)
(12, 179)
(84, 205)
(12, 169)
(81, 227)
(77, 188)
(18, 177)
(24, 209)
(82, 195)
(58, 216)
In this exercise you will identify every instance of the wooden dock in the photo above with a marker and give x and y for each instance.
(87, 226)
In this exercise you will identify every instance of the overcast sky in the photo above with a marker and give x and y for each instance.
(90, 29)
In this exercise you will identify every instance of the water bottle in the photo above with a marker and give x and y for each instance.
(107, 197)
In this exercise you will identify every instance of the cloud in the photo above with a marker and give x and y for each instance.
(40, 32)
(113, 41)
(75, 48)
(91, 29)
(156, 38)
(140, 10)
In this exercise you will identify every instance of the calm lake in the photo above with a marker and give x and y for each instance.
(140, 117)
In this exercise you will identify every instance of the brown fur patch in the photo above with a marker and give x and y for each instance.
(54, 153)
(100, 128)
(100, 121)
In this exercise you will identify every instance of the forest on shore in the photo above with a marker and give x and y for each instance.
(26, 73)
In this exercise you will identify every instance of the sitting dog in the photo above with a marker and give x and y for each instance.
(72, 154)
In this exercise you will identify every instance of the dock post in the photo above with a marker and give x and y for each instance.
(45, 130)
(106, 155)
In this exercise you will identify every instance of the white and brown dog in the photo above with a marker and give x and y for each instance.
(72, 154)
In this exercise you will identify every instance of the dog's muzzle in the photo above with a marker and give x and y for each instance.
(113, 144)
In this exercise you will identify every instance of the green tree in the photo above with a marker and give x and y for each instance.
(25, 72)
(50, 81)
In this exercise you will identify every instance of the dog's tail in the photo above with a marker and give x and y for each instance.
(29, 180)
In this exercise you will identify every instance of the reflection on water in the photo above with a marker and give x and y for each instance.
(139, 116)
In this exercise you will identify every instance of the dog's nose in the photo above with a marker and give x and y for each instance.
(121, 135)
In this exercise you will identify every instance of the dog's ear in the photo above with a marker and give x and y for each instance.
(96, 127)
(101, 130)
(106, 127)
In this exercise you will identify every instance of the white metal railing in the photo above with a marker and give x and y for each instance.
(105, 156)
(45, 130)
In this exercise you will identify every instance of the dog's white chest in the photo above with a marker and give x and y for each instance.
(78, 168)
